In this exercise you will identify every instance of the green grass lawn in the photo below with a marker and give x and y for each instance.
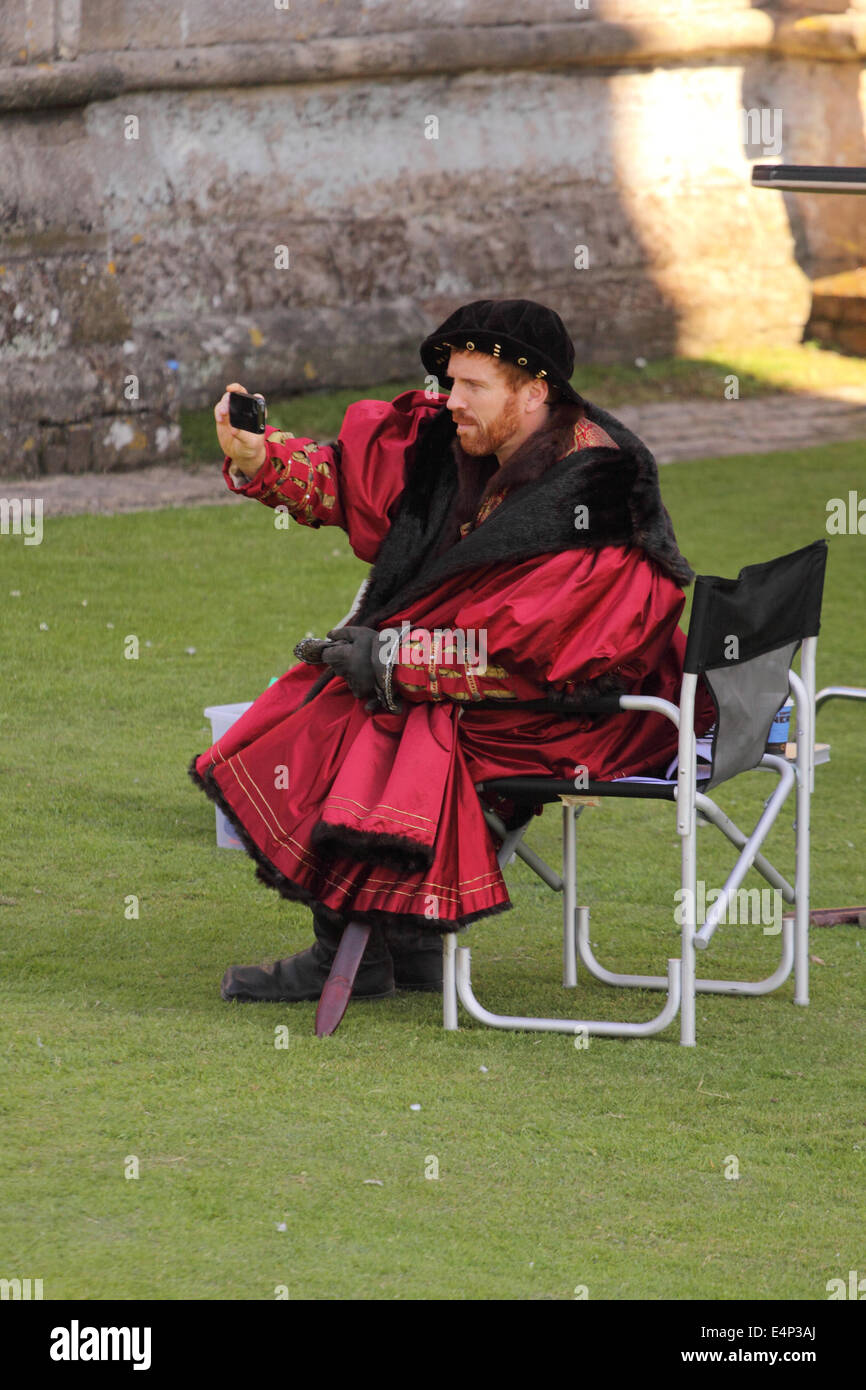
(558, 1167)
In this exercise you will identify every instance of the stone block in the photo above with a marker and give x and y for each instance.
(840, 337)
(221, 21)
(27, 32)
(66, 448)
(838, 316)
(20, 445)
(119, 24)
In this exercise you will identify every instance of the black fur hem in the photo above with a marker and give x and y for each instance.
(271, 877)
(396, 851)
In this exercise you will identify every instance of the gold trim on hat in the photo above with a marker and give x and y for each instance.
(521, 361)
(470, 347)
(541, 373)
(496, 349)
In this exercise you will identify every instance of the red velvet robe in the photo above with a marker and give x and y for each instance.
(555, 621)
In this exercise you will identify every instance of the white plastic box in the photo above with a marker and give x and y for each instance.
(222, 717)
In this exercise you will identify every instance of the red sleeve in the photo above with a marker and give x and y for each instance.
(351, 483)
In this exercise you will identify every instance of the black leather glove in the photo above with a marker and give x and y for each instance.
(356, 657)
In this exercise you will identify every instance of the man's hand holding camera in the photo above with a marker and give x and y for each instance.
(246, 448)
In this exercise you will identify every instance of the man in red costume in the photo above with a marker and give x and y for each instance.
(507, 517)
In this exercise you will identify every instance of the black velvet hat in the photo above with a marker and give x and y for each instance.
(516, 330)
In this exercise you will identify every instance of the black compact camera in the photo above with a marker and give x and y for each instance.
(247, 412)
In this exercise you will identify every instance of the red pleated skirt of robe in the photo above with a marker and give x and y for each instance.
(374, 817)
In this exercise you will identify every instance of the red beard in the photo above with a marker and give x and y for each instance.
(486, 439)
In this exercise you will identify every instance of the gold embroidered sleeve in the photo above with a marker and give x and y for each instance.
(434, 665)
(297, 474)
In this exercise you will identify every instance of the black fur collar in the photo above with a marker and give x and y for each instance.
(617, 487)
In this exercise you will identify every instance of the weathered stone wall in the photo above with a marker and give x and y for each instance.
(204, 190)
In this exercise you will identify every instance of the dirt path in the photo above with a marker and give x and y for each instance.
(674, 430)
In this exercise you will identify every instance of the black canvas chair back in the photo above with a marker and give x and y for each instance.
(743, 636)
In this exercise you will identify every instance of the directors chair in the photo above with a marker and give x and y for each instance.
(742, 639)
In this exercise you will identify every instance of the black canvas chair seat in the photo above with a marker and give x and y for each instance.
(541, 790)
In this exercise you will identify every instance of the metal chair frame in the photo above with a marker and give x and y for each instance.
(681, 983)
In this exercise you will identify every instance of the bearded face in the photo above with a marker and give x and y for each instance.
(488, 436)
(491, 415)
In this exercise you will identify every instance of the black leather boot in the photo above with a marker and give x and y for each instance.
(417, 957)
(303, 976)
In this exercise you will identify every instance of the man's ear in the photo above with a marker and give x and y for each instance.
(536, 396)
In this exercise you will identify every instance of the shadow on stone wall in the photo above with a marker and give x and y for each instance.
(165, 230)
